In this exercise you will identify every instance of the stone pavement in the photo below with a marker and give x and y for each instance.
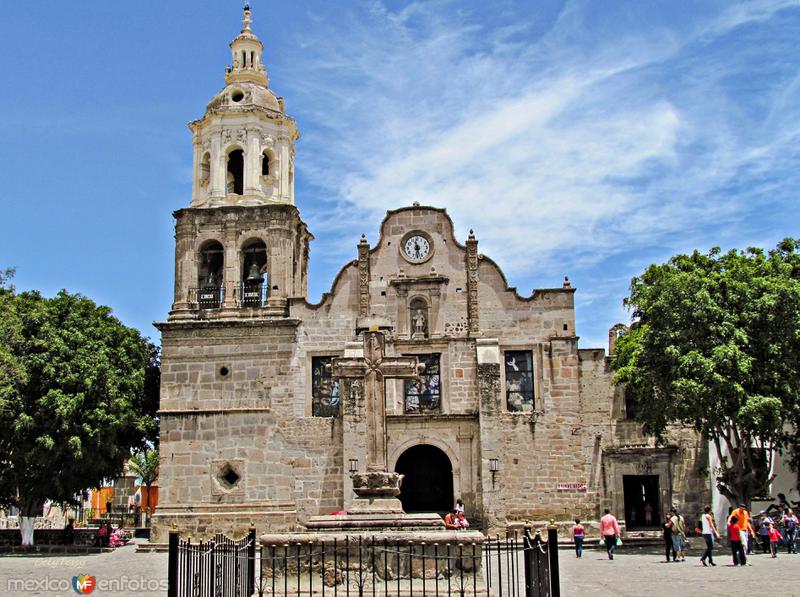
(123, 573)
(633, 573)
(638, 572)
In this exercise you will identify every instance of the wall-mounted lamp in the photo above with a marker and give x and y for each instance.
(494, 467)
(353, 465)
(533, 419)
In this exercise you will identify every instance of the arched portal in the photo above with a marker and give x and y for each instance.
(428, 482)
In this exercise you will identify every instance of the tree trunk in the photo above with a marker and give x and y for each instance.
(27, 516)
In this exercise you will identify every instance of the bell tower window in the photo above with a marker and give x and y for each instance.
(205, 170)
(235, 178)
(254, 268)
(209, 275)
(265, 164)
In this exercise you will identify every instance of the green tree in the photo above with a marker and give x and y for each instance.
(71, 395)
(715, 343)
(144, 464)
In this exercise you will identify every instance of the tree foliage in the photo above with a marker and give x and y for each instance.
(72, 396)
(715, 343)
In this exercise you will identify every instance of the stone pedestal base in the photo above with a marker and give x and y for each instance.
(375, 562)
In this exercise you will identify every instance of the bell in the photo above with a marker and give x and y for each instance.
(253, 275)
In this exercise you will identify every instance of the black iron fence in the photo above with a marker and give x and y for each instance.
(512, 565)
(518, 564)
(370, 566)
(221, 567)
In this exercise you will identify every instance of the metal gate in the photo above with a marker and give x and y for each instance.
(522, 564)
(222, 567)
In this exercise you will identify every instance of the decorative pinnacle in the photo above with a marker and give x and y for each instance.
(471, 234)
(567, 283)
(363, 240)
(246, 19)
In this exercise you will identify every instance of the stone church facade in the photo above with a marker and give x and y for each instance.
(509, 414)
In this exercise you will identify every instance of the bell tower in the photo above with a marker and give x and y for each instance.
(241, 249)
(244, 143)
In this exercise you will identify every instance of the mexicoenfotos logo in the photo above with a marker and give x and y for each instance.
(84, 584)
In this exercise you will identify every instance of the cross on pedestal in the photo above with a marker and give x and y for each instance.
(374, 369)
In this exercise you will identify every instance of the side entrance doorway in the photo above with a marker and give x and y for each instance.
(428, 482)
(642, 504)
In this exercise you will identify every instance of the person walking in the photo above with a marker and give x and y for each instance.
(737, 548)
(745, 526)
(790, 527)
(764, 524)
(609, 529)
(668, 546)
(774, 537)
(678, 526)
(709, 531)
(578, 535)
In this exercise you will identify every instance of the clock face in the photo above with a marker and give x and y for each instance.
(417, 247)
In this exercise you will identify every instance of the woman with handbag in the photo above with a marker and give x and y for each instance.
(709, 531)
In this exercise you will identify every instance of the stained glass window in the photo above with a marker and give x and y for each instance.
(424, 394)
(519, 380)
(324, 390)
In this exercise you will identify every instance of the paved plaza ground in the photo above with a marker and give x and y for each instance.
(632, 573)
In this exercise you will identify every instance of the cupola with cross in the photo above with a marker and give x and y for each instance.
(244, 143)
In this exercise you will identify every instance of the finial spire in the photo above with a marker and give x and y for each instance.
(246, 19)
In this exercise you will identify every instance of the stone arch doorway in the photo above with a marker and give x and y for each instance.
(428, 482)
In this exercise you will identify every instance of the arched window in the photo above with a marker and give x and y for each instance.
(418, 316)
(265, 164)
(205, 169)
(235, 179)
(254, 271)
(209, 275)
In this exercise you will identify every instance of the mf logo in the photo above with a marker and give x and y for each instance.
(84, 584)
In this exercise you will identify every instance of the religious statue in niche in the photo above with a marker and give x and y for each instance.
(419, 319)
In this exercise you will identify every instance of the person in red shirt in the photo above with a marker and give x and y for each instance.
(737, 549)
(451, 520)
(578, 535)
(774, 537)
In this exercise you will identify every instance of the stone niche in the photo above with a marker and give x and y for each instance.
(415, 296)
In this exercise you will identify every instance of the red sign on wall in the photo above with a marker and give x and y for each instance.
(571, 487)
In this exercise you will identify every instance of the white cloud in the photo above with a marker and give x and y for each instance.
(559, 151)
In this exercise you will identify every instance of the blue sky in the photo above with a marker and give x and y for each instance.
(587, 139)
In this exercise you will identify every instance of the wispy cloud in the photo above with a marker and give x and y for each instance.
(561, 145)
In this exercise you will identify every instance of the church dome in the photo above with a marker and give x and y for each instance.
(245, 96)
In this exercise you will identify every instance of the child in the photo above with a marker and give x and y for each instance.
(774, 537)
(578, 535)
(737, 549)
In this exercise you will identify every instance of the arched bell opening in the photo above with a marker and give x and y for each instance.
(254, 274)
(266, 164)
(211, 261)
(428, 482)
(204, 172)
(235, 176)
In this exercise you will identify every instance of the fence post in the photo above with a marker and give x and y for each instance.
(527, 555)
(172, 564)
(212, 575)
(251, 561)
(552, 553)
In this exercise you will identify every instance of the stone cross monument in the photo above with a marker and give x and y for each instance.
(373, 369)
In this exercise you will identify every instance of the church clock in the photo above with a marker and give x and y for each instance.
(416, 247)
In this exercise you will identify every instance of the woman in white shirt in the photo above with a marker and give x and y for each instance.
(709, 532)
